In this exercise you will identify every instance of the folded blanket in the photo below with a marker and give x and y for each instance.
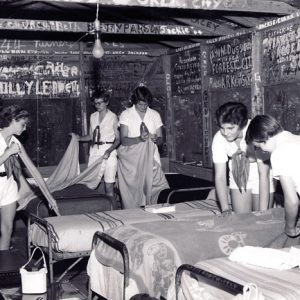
(266, 257)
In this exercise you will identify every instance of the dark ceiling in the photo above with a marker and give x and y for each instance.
(211, 22)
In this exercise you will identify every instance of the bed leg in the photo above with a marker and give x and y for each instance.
(68, 269)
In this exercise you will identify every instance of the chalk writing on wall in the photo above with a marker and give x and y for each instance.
(281, 53)
(283, 102)
(230, 63)
(127, 28)
(43, 25)
(186, 72)
(187, 127)
(34, 76)
(186, 89)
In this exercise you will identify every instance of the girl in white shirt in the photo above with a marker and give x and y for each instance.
(104, 137)
(140, 126)
(13, 121)
(250, 183)
(267, 134)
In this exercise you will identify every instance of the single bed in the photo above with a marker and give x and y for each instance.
(157, 249)
(71, 200)
(221, 278)
(70, 236)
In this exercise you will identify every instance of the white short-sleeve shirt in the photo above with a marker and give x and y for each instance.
(8, 186)
(285, 161)
(132, 120)
(222, 151)
(3, 147)
(106, 126)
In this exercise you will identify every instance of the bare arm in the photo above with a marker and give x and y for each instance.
(158, 137)
(116, 141)
(14, 148)
(128, 141)
(221, 185)
(84, 138)
(39, 179)
(264, 185)
(291, 204)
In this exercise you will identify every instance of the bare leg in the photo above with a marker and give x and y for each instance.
(110, 192)
(241, 202)
(255, 201)
(271, 200)
(7, 220)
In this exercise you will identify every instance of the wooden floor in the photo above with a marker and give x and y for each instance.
(78, 277)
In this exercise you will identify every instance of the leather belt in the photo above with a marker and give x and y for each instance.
(102, 143)
(3, 174)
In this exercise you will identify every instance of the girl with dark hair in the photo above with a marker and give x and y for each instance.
(13, 121)
(250, 184)
(139, 168)
(140, 113)
(104, 137)
(267, 134)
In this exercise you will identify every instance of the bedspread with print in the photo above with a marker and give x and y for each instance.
(156, 249)
(74, 233)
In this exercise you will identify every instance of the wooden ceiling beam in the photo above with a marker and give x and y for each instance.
(258, 6)
(207, 25)
(243, 21)
(106, 28)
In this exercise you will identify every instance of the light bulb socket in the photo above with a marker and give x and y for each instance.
(97, 25)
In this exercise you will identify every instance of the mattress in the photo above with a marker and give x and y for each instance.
(72, 200)
(156, 249)
(274, 284)
(74, 233)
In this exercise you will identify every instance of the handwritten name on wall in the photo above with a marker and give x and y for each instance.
(43, 25)
(186, 72)
(149, 29)
(230, 63)
(281, 53)
(20, 77)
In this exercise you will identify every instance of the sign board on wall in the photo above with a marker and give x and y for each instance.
(186, 89)
(281, 72)
(229, 73)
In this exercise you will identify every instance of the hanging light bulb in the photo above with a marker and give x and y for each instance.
(98, 50)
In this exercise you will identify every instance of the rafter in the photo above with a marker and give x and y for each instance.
(243, 21)
(258, 6)
(206, 25)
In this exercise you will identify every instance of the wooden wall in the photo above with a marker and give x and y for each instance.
(259, 67)
(54, 80)
(185, 97)
(44, 78)
(281, 72)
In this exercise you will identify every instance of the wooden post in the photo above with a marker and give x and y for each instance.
(83, 91)
(206, 134)
(169, 107)
(257, 90)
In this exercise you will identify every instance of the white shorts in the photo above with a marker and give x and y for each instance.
(253, 180)
(8, 191)
(111, 166)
